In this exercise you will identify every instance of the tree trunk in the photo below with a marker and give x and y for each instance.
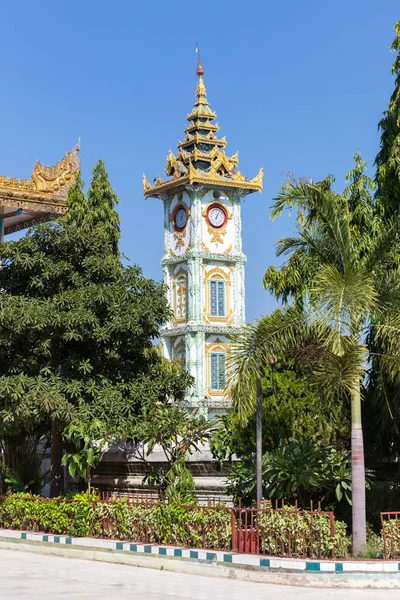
(259, 440)
(359, 525)
(57, 470)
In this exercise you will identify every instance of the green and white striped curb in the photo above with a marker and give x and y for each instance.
(344, 567)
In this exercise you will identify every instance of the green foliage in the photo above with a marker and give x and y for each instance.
(89, 441)
(177, 434)
(351, 295)
(391, 549)
(306, 533)
(80, 516)
(22, 469)
(388, 158)
(101, 201)
(196, 527)
(297, 471)
(77, 326)
(294, 409)
(374, 547)
(301, 470)
(76, 203)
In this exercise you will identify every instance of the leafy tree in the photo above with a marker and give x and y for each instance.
(295, 409)
(76, 327)
(344, 298)
(297, 471)
(178, 434)
(21, 466)
(89, 441)
(250, 354)
(388, 158)
(77, 208)
(101, 202)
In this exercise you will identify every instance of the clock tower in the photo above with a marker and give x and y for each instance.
(203, 262)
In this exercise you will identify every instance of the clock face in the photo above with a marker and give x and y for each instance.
(216, 216)
(180, 218)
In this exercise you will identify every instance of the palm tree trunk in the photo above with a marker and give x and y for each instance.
(359, 525)
(57, 470)
(259, 440)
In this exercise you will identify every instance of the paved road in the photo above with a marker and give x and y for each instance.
(34, 576)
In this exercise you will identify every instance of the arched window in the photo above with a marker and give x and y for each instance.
(180, 297)
(217, 297)
(217, 282)
(217, 370)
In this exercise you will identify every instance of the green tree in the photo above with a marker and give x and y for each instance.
(297, 471)
(296, 409)
(89, 441)
(178, 434)
(77, 330)
(343, 298)
(388, 158)
(101, 202)
(250, 355)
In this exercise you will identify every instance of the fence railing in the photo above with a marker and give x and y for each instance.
(390, 522)
(284, 531)
(275, 531)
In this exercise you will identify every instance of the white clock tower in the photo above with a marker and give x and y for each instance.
(203, 262)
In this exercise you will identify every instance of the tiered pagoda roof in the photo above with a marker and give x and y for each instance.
(201, 155)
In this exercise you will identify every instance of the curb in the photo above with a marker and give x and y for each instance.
(158, 557)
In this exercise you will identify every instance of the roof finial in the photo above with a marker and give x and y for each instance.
(201, 88)
(200, 70)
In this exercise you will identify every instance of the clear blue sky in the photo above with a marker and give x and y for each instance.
(297, 85)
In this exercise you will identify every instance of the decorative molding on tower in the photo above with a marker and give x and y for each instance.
(201, 157)
(203, 263)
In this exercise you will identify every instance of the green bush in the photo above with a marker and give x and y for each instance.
(290, 532)
(81, 516)
(201, 527)
(392, 547)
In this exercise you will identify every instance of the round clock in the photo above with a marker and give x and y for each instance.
(216, 216)
(180, 218)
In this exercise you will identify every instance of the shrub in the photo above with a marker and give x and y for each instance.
(390, 549)
(290, 532)
(190, 526)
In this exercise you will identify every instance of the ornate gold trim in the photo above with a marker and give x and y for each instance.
(216, 234)
(180, 299)
(50, 181)
(217, 273)
(216, 346)
(180, 168)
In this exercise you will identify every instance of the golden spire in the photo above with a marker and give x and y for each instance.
(201, 88)
(201, 156)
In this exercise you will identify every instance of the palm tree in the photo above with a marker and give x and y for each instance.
(341, 276)
(252, 351)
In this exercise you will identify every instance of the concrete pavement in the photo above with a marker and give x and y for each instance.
(33, 576)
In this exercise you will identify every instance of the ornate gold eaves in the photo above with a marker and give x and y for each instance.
(237, 181)
(47, 185)
(146, 185)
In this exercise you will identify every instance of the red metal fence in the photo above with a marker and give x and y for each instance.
(284, 531)
(274, 531)
(390, 522)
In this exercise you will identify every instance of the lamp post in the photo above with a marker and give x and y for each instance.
(271, 360)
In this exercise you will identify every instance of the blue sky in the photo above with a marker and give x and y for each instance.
(297, 85)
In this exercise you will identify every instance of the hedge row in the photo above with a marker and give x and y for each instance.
(281, 533)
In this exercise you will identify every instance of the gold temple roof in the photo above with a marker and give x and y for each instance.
(201, 155)
(41, 197)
